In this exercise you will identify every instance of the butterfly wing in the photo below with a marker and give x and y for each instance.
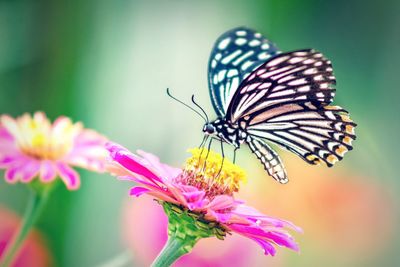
(286, 101)
(316, 134)
(235, 55)
(269, 158)
(303, 76)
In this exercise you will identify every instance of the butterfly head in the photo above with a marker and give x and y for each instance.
(209, 128)
(222, 130)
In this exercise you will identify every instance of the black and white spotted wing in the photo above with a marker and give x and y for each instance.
(316, 134)
(285, 101)
(235, 55)
(303, 76)
(283, 98)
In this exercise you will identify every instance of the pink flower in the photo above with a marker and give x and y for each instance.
(31, 146)
(204, 190)
(145, 245)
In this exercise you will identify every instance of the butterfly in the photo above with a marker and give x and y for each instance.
(263, 96)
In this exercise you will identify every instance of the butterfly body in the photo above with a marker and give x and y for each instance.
(262, 95)
(224, 130)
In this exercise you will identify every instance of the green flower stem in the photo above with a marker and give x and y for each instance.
(37, 201)
(172, 251)
(185, 228)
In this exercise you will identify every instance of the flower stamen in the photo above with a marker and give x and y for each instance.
(219, 177)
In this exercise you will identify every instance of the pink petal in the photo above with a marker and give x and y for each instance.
(69, 176)
(162, 196)
(11, 176)
(89, 151)
(282, 240)
(7, 142)
(147, 183)
(8, 148)
(263, 220)
(8, 161)
(29, 171)
(268, 248)
(195, 200)
(222, 202)
(117, 170)
(163, 170)
(249, 232)
(138, 191)
(21, 169)
(48, 171)
(9, 124)
(155, 190)
(219, 216)
(187, 188)
(90, 138)
(4, 134)
(127, 160)
(194, 196)
(257, 233)
(59, 124)
(189, 196)
(178, 195)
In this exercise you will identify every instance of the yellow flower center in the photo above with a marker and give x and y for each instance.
(37, 137)
(207, 170)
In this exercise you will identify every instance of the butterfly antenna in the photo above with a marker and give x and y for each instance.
(205, 114)
(176, 99)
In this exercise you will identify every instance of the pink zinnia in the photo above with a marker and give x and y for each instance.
(32, 146)
(202, 194)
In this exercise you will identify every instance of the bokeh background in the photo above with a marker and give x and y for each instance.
(108, 63)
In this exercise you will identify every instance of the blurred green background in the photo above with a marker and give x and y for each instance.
(108, 63)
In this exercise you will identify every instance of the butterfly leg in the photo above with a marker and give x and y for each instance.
(222, 149)
(223, 158)
(234, 155)
(204, 141)
(269, 158)
(209, 147)
(205, 138)
(208, 152)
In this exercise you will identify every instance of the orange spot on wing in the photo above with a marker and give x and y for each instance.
(350, 129)
(333, 107)
(347, 140)
(345, 118)
(332, 159)
(341, 150)
(313, 159)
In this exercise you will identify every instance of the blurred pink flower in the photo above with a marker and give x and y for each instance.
(338, 209)
(33, 253)
(31, 146)
(205, 191)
